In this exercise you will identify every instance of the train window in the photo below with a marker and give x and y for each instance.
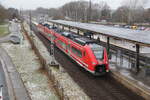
(49, 35)
(54, 37)
(76, 52)
(68, 46)
(63, 45)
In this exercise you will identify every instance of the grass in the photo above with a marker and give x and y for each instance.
(3, 30)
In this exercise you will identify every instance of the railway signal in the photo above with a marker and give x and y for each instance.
(53, 61)
(52, 54)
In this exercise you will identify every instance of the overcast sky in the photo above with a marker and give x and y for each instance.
(32, 4)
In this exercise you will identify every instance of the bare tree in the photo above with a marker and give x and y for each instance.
(12, 13)
(131, 11)
(147, 15)
(83, 11)
(121, 14)
(75, 10)
(105, 12)
(3, 13)
(134, 6)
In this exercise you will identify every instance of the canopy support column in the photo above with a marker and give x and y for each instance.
(62, 27)
(98, 39)
(137, 57)
(108, 45)
(78, 31)
(69, 28)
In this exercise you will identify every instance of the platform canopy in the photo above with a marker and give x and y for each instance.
(136, 36)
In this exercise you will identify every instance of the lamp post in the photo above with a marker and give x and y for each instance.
(30, 23)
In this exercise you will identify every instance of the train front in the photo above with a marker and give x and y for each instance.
(99, 59)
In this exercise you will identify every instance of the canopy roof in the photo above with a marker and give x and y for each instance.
(138, 36)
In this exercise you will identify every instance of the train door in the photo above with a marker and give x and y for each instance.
(49, 36)
(68, 49)
(42, 29)
(45, 31)
(85, 58)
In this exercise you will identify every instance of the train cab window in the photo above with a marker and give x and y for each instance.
(76, 52)
(97, 50)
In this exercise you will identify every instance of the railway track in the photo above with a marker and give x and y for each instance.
(97, 88)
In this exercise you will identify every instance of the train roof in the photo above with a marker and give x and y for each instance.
(138, 36)
(84, 40)
(77, 38)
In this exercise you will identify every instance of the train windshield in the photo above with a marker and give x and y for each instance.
(97, 50)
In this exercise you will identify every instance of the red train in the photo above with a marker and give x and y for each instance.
(86, 52)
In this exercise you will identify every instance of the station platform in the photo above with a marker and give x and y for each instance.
(137, 82)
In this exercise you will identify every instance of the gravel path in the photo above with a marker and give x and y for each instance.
(35, 79)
